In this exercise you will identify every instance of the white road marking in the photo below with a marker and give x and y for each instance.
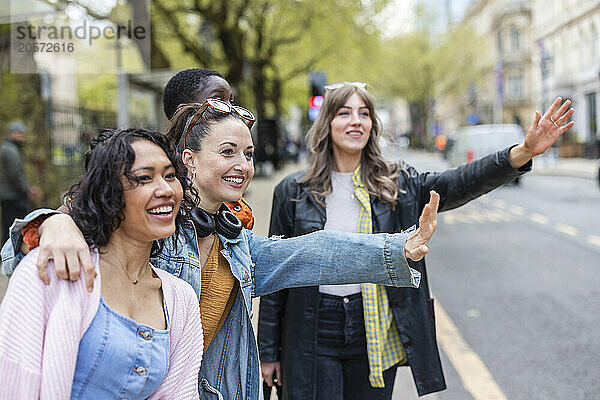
(593, 239)
(475, 376)
(539, 218)
(566, 229)
(476, 216)
(518, 210)
(450, 218)
(500, 204)
(492, 215)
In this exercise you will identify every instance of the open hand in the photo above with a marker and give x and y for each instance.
(415, 247)
(545, 130)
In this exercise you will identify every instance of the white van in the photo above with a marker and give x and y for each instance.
(473, 142)
(476, 141)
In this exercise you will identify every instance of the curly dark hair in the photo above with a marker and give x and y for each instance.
(96, 202)
(182, 88)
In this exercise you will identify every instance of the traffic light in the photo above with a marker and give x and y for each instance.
(317, 83)
(317, 90)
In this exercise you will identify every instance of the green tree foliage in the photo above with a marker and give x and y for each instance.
(421, 68)
(20, 100)
(262, 45)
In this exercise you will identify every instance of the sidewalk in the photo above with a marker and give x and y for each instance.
(547, 164)
(577, 167)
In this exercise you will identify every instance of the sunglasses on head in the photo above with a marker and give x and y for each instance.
(223, 107)
(335, 86)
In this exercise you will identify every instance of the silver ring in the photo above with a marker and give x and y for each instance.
(554, 122)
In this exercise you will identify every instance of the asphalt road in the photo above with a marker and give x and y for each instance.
(516, 272)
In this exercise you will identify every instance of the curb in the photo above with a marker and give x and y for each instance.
(563, 172)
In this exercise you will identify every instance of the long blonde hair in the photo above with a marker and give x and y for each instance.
(377, 175)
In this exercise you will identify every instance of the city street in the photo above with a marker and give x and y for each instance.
(515, 272)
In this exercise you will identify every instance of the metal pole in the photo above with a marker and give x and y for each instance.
(122, 91)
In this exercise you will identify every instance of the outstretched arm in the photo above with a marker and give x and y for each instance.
(543, 132)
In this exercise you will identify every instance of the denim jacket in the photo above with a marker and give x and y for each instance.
(230, 365)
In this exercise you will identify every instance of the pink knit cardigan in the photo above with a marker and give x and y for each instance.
(41, 326)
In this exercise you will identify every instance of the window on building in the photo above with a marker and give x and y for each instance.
(515, 39)
(515, 86)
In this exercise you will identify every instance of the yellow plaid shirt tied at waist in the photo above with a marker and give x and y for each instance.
(384, 347)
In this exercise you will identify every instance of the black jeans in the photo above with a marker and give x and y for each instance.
(11, 209)
(342, 363)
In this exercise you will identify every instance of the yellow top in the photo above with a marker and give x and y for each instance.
(384, 346)
(217, 292)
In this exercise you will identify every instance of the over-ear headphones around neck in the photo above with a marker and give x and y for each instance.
(224, 222)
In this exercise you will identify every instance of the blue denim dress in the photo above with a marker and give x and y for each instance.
(120, 358)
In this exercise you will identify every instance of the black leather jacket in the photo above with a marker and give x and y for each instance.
(288, 319)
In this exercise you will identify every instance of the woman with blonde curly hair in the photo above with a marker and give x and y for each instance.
(346, 341)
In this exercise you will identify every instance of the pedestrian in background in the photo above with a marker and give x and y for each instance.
(346, 341)
(15, 192)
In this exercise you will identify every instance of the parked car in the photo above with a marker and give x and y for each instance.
(476, 141)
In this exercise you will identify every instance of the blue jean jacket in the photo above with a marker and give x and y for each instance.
(230, 365)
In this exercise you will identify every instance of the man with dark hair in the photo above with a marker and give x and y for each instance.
(15, 192)
(195, 85)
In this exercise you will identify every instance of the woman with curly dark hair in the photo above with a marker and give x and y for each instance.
(137, 335)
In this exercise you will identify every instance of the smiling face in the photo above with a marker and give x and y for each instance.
(152, 202)
(215, 88)
(350, 132)
(223, 166)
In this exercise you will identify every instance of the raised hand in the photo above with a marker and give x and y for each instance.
(544, 131)
(415, 247)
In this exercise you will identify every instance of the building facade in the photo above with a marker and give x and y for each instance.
(505, 93)
(566, 33)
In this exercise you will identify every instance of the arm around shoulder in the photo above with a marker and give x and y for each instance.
(11, 250)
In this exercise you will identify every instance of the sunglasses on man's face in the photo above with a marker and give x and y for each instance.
(222, 107)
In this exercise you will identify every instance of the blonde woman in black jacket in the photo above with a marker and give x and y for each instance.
(346, 342)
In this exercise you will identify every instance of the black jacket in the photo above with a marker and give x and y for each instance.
(288, 319)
